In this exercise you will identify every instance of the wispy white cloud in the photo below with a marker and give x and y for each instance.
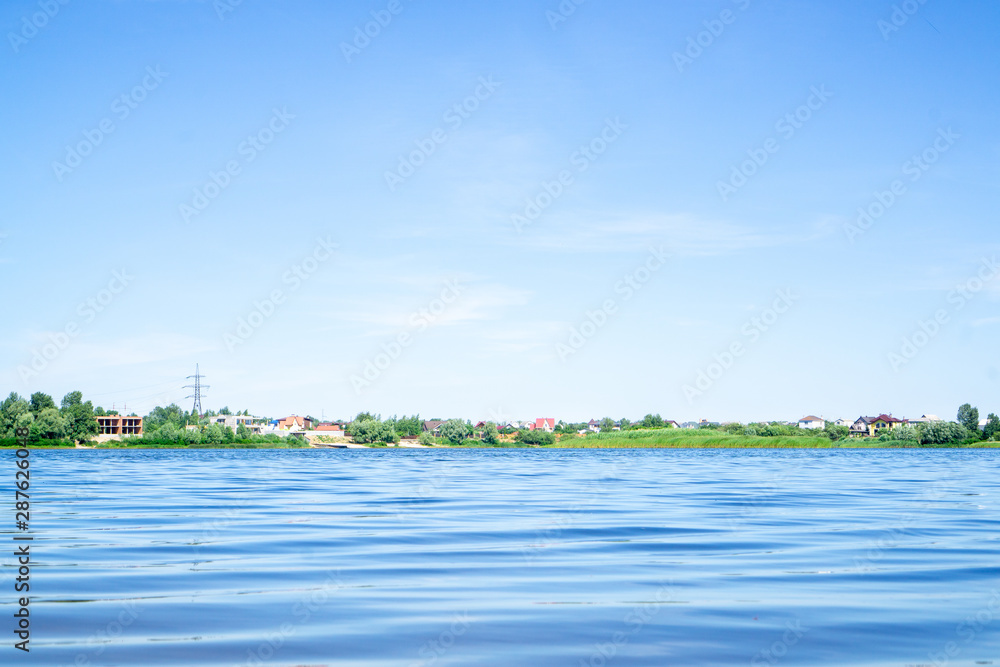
(681, 234)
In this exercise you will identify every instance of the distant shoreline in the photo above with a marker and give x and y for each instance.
(581, 446)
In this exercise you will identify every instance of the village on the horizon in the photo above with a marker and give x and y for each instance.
(114, 426)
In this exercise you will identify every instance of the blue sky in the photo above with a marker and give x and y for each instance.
(309, 129)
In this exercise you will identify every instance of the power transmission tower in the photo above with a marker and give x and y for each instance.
(197, 386)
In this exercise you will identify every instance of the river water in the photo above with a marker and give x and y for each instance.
(510, 557)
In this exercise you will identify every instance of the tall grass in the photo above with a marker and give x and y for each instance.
(689, 438)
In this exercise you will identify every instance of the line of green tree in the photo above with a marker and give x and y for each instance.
(72, 421)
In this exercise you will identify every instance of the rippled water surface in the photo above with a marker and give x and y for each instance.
(529, 557)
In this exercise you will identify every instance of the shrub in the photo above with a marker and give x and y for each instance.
(536, 437)
(455, 431)
(941, 433)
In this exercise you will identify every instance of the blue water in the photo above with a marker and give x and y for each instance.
(526, 557)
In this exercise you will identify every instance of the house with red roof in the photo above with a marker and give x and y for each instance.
(547, 424)
(294, 423)
(812, 422)
(872, 426)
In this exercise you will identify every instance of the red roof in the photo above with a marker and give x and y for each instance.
(889, 419)
(329, 427)
(542, 421)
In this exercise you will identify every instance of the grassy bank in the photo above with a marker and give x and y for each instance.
(687, 438)
(225, 445)
(706, 439)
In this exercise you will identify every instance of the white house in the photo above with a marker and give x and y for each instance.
(925, 419)
(812, 422)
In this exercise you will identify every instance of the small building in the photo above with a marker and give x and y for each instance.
(233, 422)
(293, 423)
(925, 419)
(330, 427)
(432, 426)
(872, 426)
(812, 422)
(547, 424)
(593, 426)
(118, 425)
(671, 424)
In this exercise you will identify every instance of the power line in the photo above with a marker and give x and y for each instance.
(122, 391)
(197, 386)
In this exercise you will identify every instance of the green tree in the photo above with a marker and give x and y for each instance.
(607, 425)
(80, 421)
(536, 437)
(242, 432)
(409, 427)
(652, 421)
(942, 433)
(41, 401)
(160, 415)
(625, 424)
(190, 436)
(968, 417)
(835, 432)
(490, 434)
(425, 438)
(455, 431)
(992, 429)
(213, 435)
(365, 431)
(49, 424)
(168, 433)
(15, 412)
